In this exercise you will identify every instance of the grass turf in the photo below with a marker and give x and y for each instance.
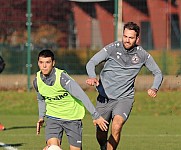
(153, 124)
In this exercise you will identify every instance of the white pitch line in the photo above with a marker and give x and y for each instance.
(7, 147)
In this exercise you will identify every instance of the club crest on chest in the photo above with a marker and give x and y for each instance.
(135, 59)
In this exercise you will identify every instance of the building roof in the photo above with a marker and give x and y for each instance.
(88, 0)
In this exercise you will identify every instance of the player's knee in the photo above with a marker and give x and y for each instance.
(53, 141)
(117, 125)
(117, 128)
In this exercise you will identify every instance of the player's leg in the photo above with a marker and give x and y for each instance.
(53, 141)
(74, 148)
(116, 128)
(73, 130)
(102, 138)
(52, 147)
(105, 110)
(53, 132)
(120, 114)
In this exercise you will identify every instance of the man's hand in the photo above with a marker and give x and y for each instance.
(102, 123)
(152, 92)
(92, 81)
(39, 125)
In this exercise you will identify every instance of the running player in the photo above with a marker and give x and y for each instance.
(123, 61)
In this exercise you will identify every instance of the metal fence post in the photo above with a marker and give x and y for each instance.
(115, 20)
(28, 44)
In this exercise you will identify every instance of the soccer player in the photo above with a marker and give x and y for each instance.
(2, 66)
(123, 61)
(62, 101)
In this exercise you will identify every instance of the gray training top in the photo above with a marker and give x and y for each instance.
(121, 68)
(71, 86)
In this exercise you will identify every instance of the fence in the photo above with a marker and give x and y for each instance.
(75, 30)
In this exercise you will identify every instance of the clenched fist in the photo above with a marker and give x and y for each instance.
(152, 92)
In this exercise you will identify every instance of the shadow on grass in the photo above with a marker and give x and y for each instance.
(21, 127)
(10, 145)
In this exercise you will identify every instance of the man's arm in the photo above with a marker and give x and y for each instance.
(158, 77)
(42, 111)
(41, 101)
(94, 61)
(41, 107)
(75, 90)
(91, 66)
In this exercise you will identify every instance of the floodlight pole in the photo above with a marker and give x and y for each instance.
(28, 44)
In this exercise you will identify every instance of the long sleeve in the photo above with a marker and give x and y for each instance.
(75, 90)
(153, 67)
(41, 106)
(41, 101)
(94, 61)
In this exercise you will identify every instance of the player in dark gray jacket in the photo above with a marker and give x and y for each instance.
(123, 61)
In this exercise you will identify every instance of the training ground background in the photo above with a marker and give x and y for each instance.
(143, 82)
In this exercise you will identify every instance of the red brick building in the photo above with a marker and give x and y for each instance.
(160, 22)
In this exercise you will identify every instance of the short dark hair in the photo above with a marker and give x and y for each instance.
(46, 53)
(132, 26)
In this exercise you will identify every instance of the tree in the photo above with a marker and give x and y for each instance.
(53, 14)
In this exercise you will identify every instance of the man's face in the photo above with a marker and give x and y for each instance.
(129, 39)
(45, 64)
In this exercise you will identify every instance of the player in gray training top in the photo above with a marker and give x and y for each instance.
(123, 61)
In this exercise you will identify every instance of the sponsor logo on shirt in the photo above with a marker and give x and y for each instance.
(59, 97)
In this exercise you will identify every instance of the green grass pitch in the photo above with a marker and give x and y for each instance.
(154, 124)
